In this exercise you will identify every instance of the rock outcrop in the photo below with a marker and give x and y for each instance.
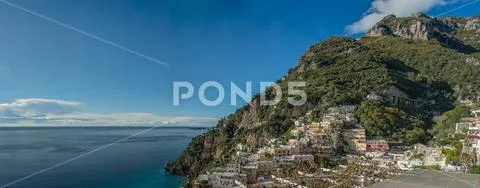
(378, 31)
(418, 27)
(473, 24)
(472, 60)
(422, 27)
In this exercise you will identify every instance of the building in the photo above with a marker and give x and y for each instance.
(340, 115)
(225, 180)
(296, 133)
(462, 126)
(374, 154)
(314, 127)
(377, 145)
(283, 161)
(299, 122)
(301, 128)
(321, 139)
(356, 140)
(250, 172)
(374, 97)
(344, 109)
(431, 156)
(398, 147)
(266, 168)
(475, 113)
(477, 121)
(286, 151)
(233, 167)
(303, 159)
(329, 118)
(240, 147)
(243, 158)
(263, 152)
(323, 151)
(202, 177)
(293, 142)
(398, 97)
(326, 125)
(434, 157)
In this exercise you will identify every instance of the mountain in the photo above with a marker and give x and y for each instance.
(432, 63)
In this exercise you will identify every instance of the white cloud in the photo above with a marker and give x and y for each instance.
(36, 107)
(381, 8)
(126, 119)
(59, 112)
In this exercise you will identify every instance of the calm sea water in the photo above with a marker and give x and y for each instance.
(136, 162)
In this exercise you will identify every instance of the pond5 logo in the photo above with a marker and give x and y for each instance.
(185, 90)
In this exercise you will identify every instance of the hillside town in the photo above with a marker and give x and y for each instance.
(337, 149)
(309, 143)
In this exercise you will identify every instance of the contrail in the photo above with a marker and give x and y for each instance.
(85, 33)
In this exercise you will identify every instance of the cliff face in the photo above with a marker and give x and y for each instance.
(418, 27)
(473, 24)
(448, 30)
(416, 54)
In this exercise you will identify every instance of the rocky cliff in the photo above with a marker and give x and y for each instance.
(453, 32)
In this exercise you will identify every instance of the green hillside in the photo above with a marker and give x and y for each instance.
(437, 69)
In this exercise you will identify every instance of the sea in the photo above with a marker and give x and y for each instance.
(50, 157)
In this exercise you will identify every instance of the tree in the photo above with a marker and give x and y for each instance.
(390, 122)
(444, 128)
(475, 170)
(451, 155)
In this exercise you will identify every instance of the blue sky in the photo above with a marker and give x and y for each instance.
(219, 40)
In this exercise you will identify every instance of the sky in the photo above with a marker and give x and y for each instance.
(100, 61)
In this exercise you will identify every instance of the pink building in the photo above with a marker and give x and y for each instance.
(377, 145)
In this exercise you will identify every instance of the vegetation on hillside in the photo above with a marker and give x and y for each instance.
(341, 71)
(442, 69)
(391, 122)
(444, 126)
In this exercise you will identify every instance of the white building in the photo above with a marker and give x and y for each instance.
(374, 154)
(299, 123)
(462, 126)
(283, 160)
(356, 140)
(434, 157)
(225, 180)
(233, 167)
